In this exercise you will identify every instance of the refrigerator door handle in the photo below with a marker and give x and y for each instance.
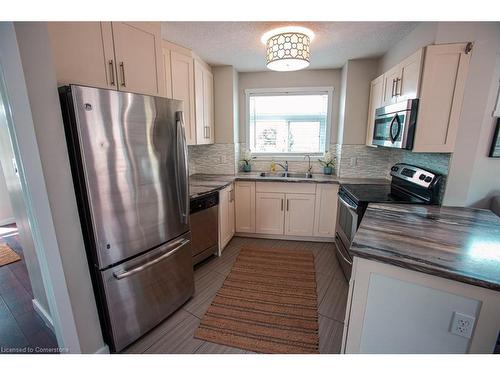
(124, 274)
(182, 167)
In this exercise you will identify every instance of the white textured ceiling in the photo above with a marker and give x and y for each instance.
(238, 43)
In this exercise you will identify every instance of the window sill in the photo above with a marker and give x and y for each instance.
(287, 157)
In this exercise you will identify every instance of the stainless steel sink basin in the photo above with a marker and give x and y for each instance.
(286, 174)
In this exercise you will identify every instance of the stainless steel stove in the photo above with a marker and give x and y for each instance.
(409, 184)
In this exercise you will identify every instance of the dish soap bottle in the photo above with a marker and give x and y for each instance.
(273, 166)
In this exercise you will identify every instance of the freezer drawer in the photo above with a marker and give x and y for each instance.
(142, 292)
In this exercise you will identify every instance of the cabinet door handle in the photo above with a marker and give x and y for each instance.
(398, 85)
(112, 72)
(282, 204)
(287, 205)
(122, 67)
(392, 91)
(231, 195)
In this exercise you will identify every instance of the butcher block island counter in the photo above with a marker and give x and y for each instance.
(426, 279)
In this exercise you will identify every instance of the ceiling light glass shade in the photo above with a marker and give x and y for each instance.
(287, 48)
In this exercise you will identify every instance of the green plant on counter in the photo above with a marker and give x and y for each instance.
(327, 161)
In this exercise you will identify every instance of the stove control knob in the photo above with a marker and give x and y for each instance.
(428, 179)
(421, 177)
(394, 169)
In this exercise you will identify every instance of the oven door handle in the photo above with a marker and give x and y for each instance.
(340, 250)
(347, 203)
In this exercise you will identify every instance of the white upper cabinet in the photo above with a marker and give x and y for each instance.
(204, 103)
(409, 80)
(138, 56)
(438, 81)
(182, 86)
(390, 79)
(443, 84)
(402, 81)
(117, 55)
(376, 96)
(83, 53)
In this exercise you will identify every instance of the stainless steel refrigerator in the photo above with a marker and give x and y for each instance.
(128, 157)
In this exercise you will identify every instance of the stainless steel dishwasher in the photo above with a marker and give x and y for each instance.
(204, 217)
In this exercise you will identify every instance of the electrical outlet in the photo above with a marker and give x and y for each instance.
(354, 162)
(462, 325)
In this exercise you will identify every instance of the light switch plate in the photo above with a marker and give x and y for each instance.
(462, 325)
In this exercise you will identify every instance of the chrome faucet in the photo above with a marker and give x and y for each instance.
(309, 168)
(285, 167)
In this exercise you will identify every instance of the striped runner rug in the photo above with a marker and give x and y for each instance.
(267, 304)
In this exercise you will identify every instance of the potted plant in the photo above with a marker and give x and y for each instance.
(247, 158)
(328, 163)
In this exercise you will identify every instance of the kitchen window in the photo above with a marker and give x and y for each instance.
(288, 122)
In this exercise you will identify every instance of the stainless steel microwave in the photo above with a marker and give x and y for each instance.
(395, 125)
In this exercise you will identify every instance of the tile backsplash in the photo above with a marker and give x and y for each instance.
(218, 158)
(352, 160)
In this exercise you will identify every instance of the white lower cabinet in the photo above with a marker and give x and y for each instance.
(299, 214)
(283, 209)
(244, 202)
(325, 216)
(226, 216)
(270, 214)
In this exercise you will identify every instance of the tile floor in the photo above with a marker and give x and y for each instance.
(20, 325)
(175, 334)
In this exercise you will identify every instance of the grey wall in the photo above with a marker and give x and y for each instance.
(6, 214)
(302, 78)
(39, 71)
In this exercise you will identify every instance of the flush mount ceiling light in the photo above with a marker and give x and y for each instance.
(287, 48)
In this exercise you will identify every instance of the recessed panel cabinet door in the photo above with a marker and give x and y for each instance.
(244, 206)
(299, 214)
(325, 216)
(269, 213)
(183, 89)
(390, 81)
(83, 53)
(137, 56)
(376, 93)
(409, 82)
(443, 85)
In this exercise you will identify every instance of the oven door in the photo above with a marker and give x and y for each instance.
(345, 259)
(347, 219)
(389, 129)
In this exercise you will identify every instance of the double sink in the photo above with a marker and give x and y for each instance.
(286, 174)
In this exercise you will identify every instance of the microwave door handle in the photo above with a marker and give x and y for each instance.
(395, 121)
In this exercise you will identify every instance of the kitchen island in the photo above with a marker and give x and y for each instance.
(426, 279)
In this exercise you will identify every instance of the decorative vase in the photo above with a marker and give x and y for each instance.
(247, 167)
(328, 170)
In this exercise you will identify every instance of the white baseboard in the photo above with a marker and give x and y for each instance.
(103, 350)
(283, 237)
(43, 314)
(9, 220)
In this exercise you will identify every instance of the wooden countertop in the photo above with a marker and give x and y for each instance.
(457, 243)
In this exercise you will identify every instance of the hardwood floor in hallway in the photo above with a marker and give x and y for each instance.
(175, 334)
(21, 328)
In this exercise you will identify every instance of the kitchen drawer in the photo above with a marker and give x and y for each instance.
(285, 187)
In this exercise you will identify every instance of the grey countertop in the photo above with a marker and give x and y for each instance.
(457, 243)
(200, 184)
